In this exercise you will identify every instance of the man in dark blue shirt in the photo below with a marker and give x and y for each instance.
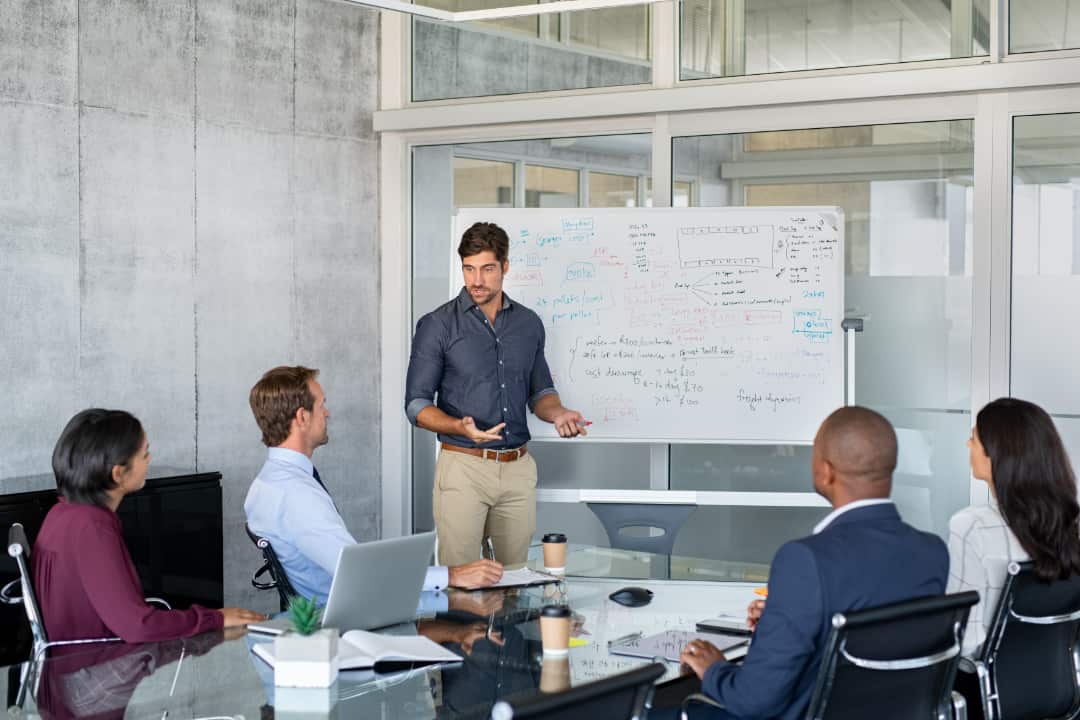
(482, 354)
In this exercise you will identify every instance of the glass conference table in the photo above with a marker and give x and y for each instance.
(217, 676)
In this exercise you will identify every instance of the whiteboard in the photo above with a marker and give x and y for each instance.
(683, 325)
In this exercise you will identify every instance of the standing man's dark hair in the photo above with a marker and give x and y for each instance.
(483, 236)
(277, 396)
(91, 445)
(1034, 484)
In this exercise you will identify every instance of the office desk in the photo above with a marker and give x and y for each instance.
(211, 676)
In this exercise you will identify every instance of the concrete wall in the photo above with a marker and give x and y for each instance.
(187, 198)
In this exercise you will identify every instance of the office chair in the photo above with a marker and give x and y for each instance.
(620, 697)
(271, 566)
(895, 662)
(1028, 665)
(19, 549)
(617, 516)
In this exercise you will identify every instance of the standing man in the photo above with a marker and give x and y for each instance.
(484, 355)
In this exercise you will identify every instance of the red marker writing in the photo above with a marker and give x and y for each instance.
(585, 423)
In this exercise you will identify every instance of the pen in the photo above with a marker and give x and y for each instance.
(585, 423)
(491, 548)
(624, 638)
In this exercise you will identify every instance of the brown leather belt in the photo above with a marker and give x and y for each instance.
(496, 455)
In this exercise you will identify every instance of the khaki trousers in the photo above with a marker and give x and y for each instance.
(476, 498)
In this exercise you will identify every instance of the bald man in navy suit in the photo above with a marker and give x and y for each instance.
(861, 555)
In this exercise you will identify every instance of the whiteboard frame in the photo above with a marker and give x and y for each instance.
(456, 285)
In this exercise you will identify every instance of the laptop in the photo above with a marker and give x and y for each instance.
(378, 583)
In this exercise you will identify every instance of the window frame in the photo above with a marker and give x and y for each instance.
(989, 93)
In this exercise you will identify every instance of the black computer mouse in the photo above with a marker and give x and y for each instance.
(632, 596)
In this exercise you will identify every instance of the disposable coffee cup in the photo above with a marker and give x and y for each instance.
(555, 674)
(555, 553)
(555, 630)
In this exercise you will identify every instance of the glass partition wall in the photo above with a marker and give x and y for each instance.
(906, 192)
(961, 199)
(1046, 268)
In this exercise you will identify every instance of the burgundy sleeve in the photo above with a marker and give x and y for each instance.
(112, 589)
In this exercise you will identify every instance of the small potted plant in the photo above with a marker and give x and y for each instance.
(307, 656)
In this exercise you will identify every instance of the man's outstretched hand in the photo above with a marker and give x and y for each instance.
(480, 436)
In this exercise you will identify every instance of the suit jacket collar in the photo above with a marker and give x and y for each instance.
(876, 513)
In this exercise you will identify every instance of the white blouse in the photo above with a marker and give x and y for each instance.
(981, 546)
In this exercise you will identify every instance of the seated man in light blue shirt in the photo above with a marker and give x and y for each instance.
(288, 503)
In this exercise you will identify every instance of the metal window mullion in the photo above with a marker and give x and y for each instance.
(734, 38)
(1001, 249)
(660, 453)
(999, 30)
(664, 43)
(519, 183)
(986, 314)
(395, 312)
(395, 61)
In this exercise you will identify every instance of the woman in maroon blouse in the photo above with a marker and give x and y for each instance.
(85, 579)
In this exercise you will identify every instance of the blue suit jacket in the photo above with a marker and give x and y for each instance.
(866, 557)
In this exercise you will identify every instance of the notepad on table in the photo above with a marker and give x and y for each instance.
(359, 649)
(669, 644)
(524, 576)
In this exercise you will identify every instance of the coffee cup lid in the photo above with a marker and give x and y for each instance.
(554, 538)
(557, 611)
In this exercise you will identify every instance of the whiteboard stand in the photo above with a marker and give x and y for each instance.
(850, 327)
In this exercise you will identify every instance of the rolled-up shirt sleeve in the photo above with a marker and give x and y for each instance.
(425, 367)
(540, 382)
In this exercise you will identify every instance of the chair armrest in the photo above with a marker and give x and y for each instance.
(697, 699)
(959, 706)
(7, 593)
(159, 601)
(263, 584)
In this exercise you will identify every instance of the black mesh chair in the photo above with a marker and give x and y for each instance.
(1028, 665)
(616, 517)
(620, 697)
(22, 591)
(895, 662)
(271, 568)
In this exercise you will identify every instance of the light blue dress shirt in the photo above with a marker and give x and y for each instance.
(290, 509)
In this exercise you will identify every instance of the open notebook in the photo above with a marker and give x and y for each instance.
(669, 644)
(359, 649)
(523, 576)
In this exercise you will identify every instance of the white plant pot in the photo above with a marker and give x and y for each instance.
(306, 661)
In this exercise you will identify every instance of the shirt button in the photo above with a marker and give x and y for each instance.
(500, 362)
(498, 340)
(504, 409)
(503, 385)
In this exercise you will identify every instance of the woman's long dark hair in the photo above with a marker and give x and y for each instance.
(92, 443)
(1034, 484)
